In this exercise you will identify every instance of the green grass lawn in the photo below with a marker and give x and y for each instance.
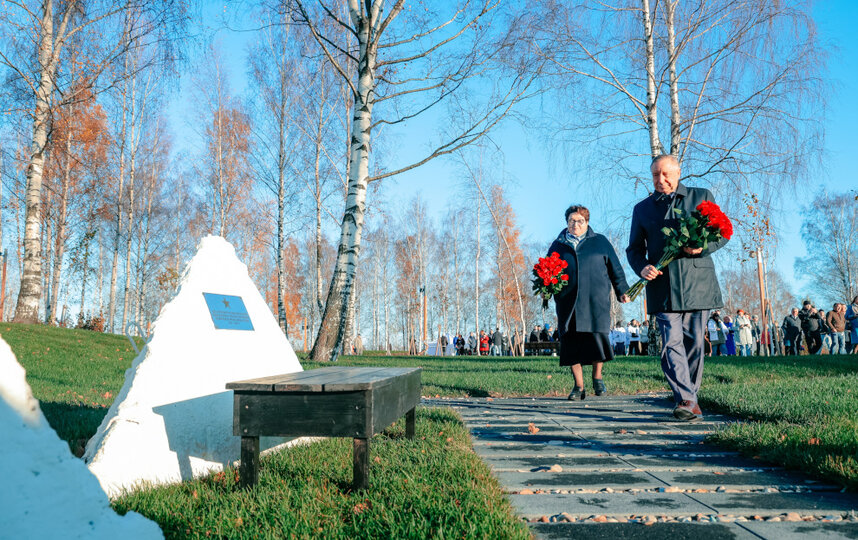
(797, 411)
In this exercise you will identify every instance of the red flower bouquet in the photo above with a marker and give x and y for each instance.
(549, 276)
(706, 223)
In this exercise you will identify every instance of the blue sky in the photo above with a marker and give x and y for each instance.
(532, 171)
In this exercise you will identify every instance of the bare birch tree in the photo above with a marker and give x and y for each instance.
(734, 80)
(830, 232)
(36, 34)
(415, 61)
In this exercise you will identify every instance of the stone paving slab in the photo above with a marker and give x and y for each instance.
(622, 458)
(637, 531)
(487, 450)
(734, 479)
(529, 462)
(578, 480)
(772, 504)
(581, 505)
(803, 530)
(714, 461)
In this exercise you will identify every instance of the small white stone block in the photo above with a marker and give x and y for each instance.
(172, 420)
(46, 492)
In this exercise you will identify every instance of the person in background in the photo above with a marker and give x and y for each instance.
(497, 342)
(460, 345)
(851, 317)
(473, 346)
(358, 345)
(837, 322)
(755, 334)
(743, 330)
(717, 334)
(619, 339)
(545, 334)
(791, 328)
(444, 341)
(730, 341)
(534, 335)
(810, 326)
(645, 337)
(484, 343)
(824, 333)
(634, 335)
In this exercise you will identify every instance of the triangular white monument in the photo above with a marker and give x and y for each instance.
(46, 492)
(172, 420)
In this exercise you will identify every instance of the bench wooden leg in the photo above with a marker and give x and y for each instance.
(249, 467)
(360, 469)
(409, 423)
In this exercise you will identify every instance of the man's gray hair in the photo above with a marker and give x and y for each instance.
(658, 158)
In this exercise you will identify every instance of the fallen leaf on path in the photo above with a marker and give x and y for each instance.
(532, 428)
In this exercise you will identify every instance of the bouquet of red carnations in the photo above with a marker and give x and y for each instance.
(705, 224)
(549, 276)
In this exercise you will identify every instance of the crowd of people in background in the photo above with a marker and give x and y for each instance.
(814, 331)
(803, 331)
(630, 339)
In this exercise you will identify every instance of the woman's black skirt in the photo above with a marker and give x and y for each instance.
(585, 348)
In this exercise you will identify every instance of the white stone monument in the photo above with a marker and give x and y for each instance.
(46, 492)
(172, 420)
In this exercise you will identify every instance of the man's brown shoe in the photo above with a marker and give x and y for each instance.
(687, 411)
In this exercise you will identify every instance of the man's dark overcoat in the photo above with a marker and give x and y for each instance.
(688, 283)
(594, 271)
(791, 327)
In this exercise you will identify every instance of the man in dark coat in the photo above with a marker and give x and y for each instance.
(792, 331)
(811, 327)
(682, 294)
(497, 343)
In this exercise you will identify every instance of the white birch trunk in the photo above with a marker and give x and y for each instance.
(477, 280)
(332, 327)
(675, 137)
(60, 234)
(651, 96)
(27, 308)
(281, 213)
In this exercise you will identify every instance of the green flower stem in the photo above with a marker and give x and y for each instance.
(668, 257)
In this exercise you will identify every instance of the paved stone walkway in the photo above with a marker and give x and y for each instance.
(622, 467)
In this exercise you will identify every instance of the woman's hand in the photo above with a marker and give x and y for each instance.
(624, 299)
(692, 251)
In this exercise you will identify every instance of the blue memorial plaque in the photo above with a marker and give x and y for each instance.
(228, 312)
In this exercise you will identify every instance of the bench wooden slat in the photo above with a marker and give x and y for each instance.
(320, 379)
(369, 380)
(266, 384)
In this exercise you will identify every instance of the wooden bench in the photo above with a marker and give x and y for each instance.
(532, 348)
(355, 402)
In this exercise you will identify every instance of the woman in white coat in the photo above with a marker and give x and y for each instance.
(744, 334)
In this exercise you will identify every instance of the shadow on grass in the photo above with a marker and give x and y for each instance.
(472, 392)
(74, 423)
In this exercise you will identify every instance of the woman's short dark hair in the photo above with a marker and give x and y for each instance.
(578, 209)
